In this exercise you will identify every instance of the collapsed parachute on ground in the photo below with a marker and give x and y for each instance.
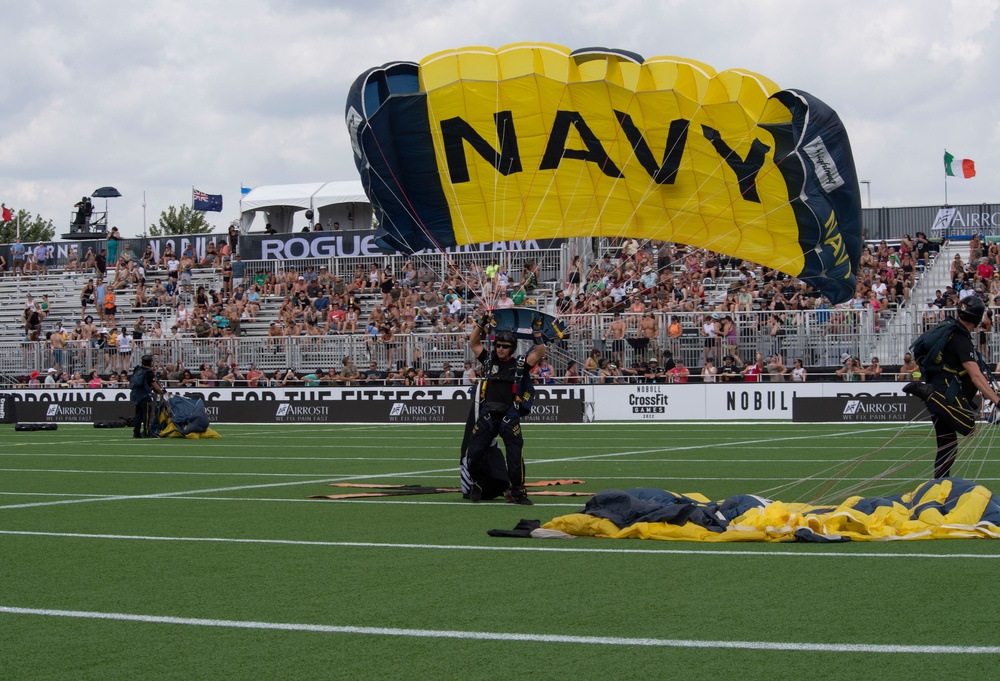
(535, 141)
(938, 509)
(185, 417)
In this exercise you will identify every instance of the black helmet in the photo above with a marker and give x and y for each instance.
(971, 309)
(147, 360)
(506, 336)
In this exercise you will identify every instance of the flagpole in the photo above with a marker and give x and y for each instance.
(946, 179)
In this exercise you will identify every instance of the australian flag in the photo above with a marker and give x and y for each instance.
(203, 201)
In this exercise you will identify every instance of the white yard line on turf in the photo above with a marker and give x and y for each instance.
(431, 474)
(867, 648)
(452, 469)
(167, 495)
(819, 553)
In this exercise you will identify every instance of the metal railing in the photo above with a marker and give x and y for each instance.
(819, 338)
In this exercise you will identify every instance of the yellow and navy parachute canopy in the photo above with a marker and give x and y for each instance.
(936, 509)
(534, 141)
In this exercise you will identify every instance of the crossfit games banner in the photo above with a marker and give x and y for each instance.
(720, 401)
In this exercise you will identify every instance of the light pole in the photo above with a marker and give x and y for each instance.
(868, 186)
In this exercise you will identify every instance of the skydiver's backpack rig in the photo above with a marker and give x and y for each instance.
(928, 348)
(951, 404)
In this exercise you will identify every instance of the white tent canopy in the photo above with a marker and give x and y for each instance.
(341, 202)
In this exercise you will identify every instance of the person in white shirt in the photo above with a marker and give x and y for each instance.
(469, 375)
(798, 372)
(124, 349)
(879, 288)
(709, 371)
(505, 300)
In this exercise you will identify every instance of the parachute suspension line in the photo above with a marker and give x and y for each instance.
(887, 480)
(832, 485)
(417, 218)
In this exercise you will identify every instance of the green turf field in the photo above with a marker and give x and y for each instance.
(205, 559)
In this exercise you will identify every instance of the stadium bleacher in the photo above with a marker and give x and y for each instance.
(821, 336)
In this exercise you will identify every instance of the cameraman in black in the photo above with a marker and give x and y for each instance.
(143, 384)
(499, 396)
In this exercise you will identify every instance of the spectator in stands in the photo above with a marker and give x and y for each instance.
(114, 238)
(572, 375)
(186, 267)
(232, 376)
(753, 372)
(41, 259)
(148, 259)
(469, 375)
(674, 333)
(614, 337)
(72, 260)
(909, 370)
(212, 257)
(798, 372)
(776, 368)
(32, 320)
(606, 372)
(873, 372)
(851, 371)
(679, 373)
(744, 299)
(101, 265)
(447, 376)
(17, 252)
(711, 332)
(87, 297)
(708, 371)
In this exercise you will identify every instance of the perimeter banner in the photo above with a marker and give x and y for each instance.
(353, 243)
(858, 409)
(397, 406)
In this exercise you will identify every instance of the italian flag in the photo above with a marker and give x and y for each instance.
(959, 167)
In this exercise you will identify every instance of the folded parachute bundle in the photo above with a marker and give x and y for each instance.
(937, 509)
(185, 417)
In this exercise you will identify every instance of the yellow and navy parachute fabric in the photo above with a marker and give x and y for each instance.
(937, 509)
(186, 417)
(534, 141)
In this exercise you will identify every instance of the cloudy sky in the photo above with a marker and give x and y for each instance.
(159, 97)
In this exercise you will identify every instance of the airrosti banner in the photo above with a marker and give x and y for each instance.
(306, 405)
(835, 402)
(858, 408)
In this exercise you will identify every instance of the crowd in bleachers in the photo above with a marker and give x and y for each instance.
(651, 294)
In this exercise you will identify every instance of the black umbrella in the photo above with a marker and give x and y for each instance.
(106, 193)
